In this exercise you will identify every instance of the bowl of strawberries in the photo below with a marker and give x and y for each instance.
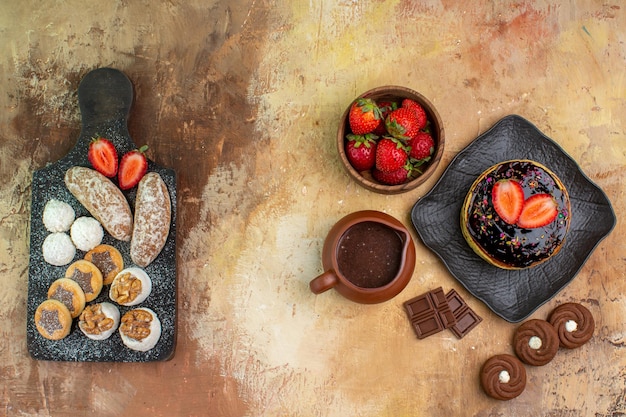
(390, 139)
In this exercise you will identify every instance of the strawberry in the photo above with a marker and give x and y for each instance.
(391, 154)
(361, 151)
(103, 156)
(539, 210)
(133, 167)
(385, 107)
(422, 146)
(364, 116)
(402, 123)
(419, 111)
(399, 176)
(508, 200)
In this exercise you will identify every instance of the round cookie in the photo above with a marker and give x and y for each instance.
(99, 321)
(503, 377)
(130, 287)
(574, 324)
(53, 320)
(88, 276)
(140, 329)
(108, 260)
(531, 223)
(536, 342)
(68, 292)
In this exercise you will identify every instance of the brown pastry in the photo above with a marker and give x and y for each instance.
(536, 342)
(103, 199)
(69, 293)
(521, 236)
(88, 276)
(108, 260)
(53, 320)
(153, 212)
(574, 324)
(503, 377)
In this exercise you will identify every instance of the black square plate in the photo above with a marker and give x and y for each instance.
(512, 294)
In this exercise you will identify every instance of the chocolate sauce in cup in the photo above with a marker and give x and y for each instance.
(368, 257)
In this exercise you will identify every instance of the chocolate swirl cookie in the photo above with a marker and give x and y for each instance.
(503, 377)
(574, 324)
(536, 342)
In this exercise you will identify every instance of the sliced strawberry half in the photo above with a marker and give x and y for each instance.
(508, 200)
(539, 210)
(133, 167)
(102, 156)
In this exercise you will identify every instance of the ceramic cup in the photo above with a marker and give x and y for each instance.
(368, 257)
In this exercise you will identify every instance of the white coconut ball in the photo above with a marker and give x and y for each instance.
(58, 216)
(87, 233)
(58, 249)
(109, 311)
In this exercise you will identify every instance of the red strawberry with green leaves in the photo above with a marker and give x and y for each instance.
(133, 167)
(102, 156)
(361, 151)
(399, 176)
(386, 107)
(364, 116)
(539, 210)
(402, 123)
(420, 113)
(422, 146)
(507, 197)
(391, 154)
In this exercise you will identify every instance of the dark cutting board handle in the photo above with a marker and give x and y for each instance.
(105, 96)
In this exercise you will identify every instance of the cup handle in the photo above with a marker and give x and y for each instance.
(324, 282)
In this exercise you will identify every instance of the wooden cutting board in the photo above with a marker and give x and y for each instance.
(105, 97)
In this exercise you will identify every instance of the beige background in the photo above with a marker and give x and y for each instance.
(242, 98)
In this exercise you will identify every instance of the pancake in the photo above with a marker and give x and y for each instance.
(516, 243)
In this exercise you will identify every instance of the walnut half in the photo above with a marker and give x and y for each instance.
(136, 324)
(94, 321)
(126, 288)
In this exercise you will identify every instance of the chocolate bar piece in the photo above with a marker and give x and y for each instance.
(429, 313)
(466, 318)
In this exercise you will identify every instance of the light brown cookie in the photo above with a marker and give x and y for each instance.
(69, 293)
(53, 320)
(88, 276)
(108, 260)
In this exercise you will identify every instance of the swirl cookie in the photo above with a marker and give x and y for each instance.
(503, 377)
(536, 342)
(574, 324)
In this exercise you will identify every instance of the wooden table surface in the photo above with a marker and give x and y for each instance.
(242, 99)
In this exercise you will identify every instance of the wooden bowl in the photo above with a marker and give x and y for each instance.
(365, 178)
